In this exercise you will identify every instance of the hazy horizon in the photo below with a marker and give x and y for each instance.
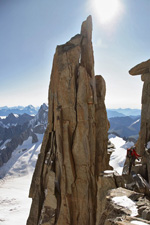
(31, 30)
(36, 106)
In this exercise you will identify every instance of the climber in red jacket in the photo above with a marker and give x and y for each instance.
(132, 155)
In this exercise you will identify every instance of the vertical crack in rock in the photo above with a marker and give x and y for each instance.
(74, 148)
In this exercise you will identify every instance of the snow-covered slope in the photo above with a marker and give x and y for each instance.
(23, 159)
(14, 201)
(118, 157)
(15, 184)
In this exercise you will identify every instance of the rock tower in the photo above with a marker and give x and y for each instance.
(144, 135)
(74, 149)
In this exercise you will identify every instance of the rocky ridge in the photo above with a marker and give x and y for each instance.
(125, 127)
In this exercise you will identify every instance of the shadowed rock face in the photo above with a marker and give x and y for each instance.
(74, 149)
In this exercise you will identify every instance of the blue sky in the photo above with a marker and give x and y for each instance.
(31, 29)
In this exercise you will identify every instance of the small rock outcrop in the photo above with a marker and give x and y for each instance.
(64, 187)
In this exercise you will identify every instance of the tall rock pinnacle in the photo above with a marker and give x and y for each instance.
(144, 70)
(74, 148)
(144, 135)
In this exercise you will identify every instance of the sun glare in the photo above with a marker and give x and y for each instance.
(106, 10)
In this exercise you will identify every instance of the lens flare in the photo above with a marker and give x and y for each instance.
(106, 11)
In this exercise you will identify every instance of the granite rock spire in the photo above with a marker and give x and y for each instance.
(74, 148)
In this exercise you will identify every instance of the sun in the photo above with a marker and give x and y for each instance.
(106, 10)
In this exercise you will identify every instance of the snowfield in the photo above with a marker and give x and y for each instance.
(16, 177)
(14, 201)
(127, 203)
(117, 158)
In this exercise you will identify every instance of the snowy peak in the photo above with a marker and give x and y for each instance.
(44, 107)
(11, 116)
(30, 107)
(14, 119)
(41, 116)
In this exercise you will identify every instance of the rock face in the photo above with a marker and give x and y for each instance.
(74, 150)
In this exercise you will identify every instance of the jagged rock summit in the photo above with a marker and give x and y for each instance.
(74, 150)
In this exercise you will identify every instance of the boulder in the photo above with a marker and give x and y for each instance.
(141, 68)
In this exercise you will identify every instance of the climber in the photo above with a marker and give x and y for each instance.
(132, 155)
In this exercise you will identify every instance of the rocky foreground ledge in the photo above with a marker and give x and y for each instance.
(125, 207)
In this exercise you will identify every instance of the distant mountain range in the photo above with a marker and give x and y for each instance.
(125, 122)
(30, 109)
(19, 123)
(15, 129)
(123, 112)
(126, 127)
